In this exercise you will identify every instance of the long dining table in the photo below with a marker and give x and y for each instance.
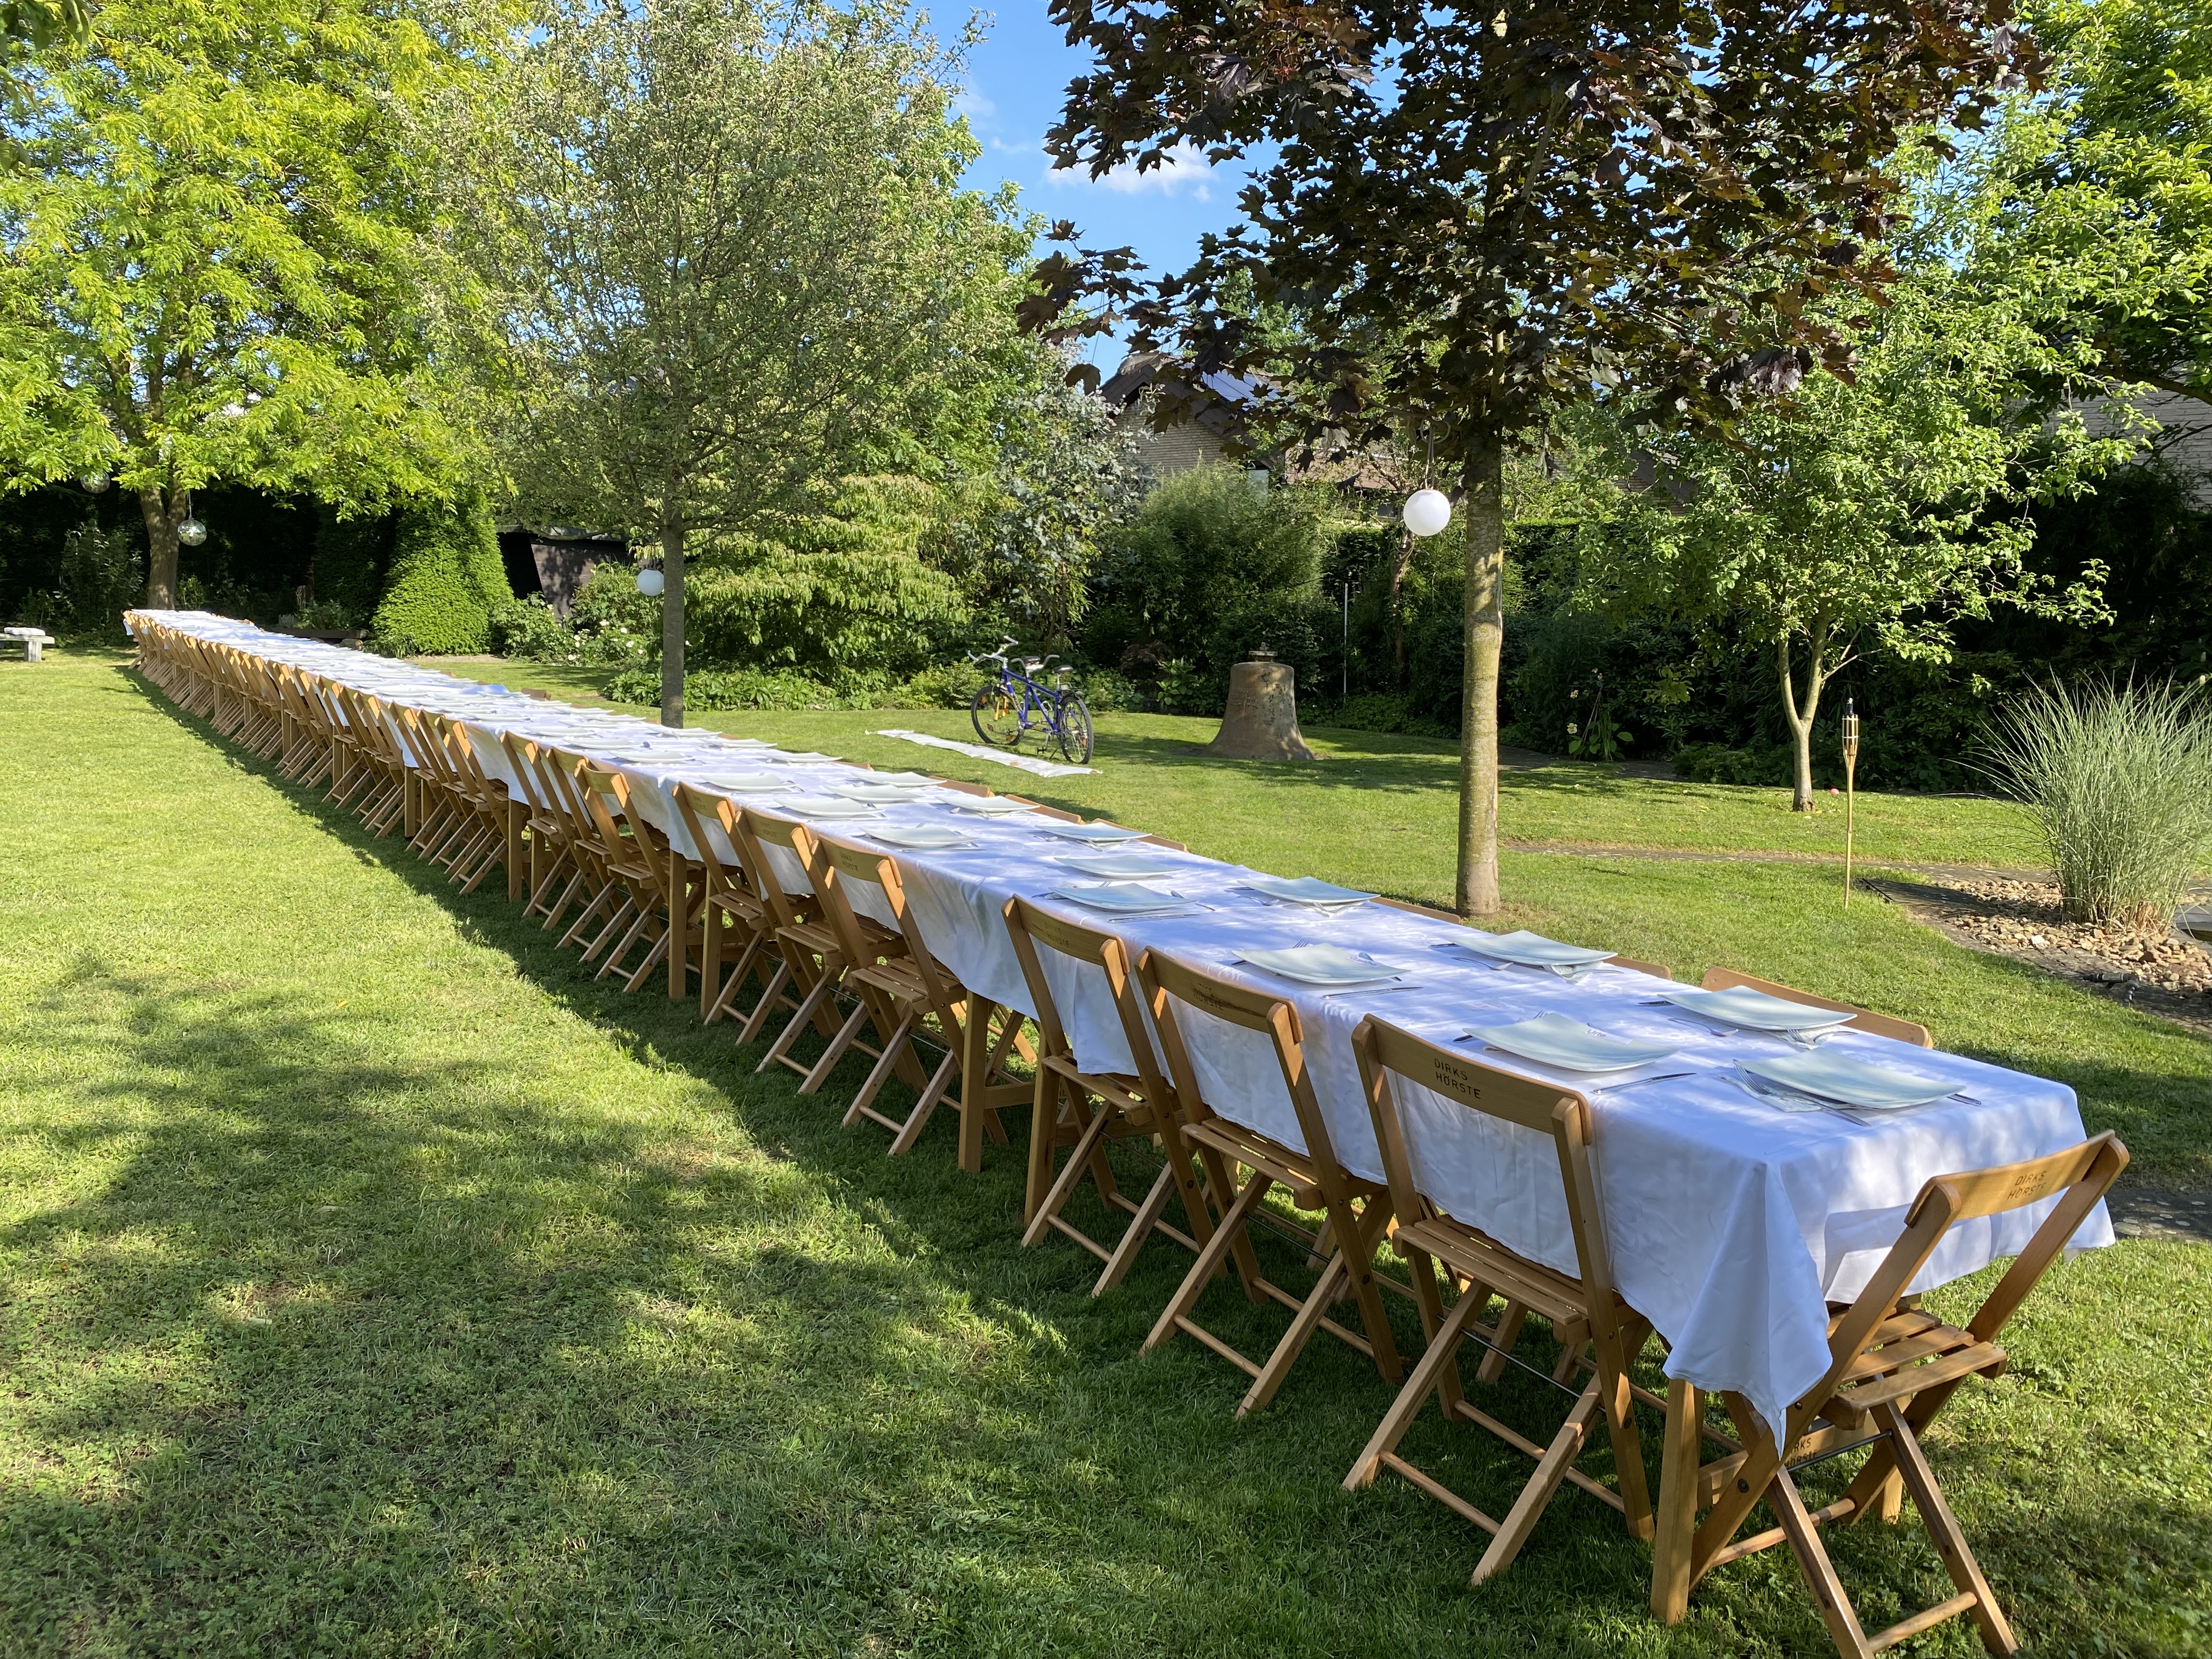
(1732, 1221)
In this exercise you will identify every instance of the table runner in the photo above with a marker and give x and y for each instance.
(1731, 1222)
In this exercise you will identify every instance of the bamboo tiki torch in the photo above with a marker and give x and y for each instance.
(1850, 788)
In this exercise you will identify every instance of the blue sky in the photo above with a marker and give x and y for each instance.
(1017, 80)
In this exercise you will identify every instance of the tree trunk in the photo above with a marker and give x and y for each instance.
(1800, 714)
(163, 512)
(1476, 892)
(671, 622)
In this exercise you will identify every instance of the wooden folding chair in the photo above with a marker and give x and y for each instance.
(1357, 1211)
(1583, 1309)
(1892, 1366)
(734, 916)
(633, 855)
(1863, 1019)
(900, 986)
(1139, 1105)
(813, 959)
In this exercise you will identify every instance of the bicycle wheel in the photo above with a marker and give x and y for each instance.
(1074, 728)
(997, 714)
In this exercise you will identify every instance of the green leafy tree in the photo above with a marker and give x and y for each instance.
(1474, 214)
(224, 263)
(745, 264)
(2102, 193)
(1064, 476)
(1873, 514)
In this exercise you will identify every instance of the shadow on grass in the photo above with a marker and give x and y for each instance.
(356, 1353)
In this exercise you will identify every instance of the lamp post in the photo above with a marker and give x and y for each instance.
(1345, 647)
(1850, 788)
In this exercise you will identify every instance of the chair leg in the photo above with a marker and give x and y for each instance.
(822, 988)
(848, 1034)
(1943, 1528)
(1077, 1161)
(1209, 1260)
(770, 1001)
(931, 1093)
(1528, 1508)
(1140, 1229)
(1427, 1373)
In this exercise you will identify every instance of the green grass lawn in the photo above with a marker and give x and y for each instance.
(377, 1283)
(1393, 801)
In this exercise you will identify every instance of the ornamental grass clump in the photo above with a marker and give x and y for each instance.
(2120, 779)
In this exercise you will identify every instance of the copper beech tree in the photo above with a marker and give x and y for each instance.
(1470, 216)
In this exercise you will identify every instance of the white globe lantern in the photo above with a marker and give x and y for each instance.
(191, 532)
(650, 582)
(1427, 512)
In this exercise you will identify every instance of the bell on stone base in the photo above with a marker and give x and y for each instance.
(1262, 718)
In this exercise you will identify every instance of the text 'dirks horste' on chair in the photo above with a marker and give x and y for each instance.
(1584, 1312)
(1085, 1111)
(1892, 1366)
(1357, 1211)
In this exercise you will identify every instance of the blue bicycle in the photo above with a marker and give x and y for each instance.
(1003, 710)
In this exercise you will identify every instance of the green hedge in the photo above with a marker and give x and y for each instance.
(447, 580)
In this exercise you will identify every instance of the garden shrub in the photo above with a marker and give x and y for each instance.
(1715, 762)
(446, 577)
(352, 557)
(2118, 777)
(1209, 568)
(612, 624)
(529, 628)
(840, 590)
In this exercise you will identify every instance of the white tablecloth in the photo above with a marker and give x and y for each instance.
(1731, 1223)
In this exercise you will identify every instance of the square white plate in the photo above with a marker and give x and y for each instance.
(826, 806)
(888, 793)
(919, 837)
(1755, 1011)
(749, 783)
(777, 757)
(1530, 950)
(1125, 897)
(1102, 835)
(911, 779)
(992, 806)
(1556, 1039)
(1119, 866)
(1309, 890)
(1841, 1078)
(1321, 964)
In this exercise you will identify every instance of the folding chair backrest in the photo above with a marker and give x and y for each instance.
(1031, 927)
(1863, 1019)
(1561, 1115)
(758, 833)
(1169, 984)
(711, 820)
(606, 797)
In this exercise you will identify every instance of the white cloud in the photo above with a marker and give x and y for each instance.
(973, 104)
(1183, 171)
